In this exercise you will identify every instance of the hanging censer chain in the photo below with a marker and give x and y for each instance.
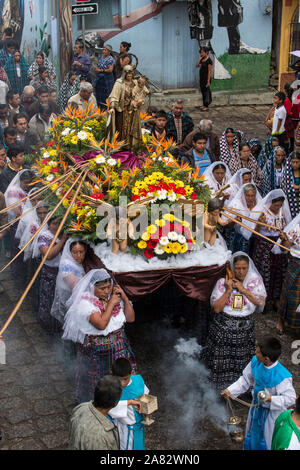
(233, 420)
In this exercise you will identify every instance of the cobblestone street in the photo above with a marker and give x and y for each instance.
(36, 389)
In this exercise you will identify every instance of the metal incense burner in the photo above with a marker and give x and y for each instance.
(262, 396)
(149, 405)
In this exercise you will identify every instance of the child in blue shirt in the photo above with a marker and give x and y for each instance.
(126, 415)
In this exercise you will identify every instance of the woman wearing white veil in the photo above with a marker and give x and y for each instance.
(288, 307)
(29, 204)
(95, 320)
(216, 176)
(17, 190)
(243, 203)
(231, 339)
(272, 210)
(241, 177)
(32, 222)
(70, 272)
(48, 272)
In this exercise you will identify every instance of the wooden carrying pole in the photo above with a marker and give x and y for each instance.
(40, 228)
(256, 222)
(15, 310)
(257, 233)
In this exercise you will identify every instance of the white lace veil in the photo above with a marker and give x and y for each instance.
(27, 217)
(236, 181)
(239, 204)
(253, 279)
(13, 194)
(68, 268)
(76, 324)
(211, 181)
(293, 232)
(264, 204)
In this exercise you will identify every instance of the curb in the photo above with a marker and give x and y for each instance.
(219, 98)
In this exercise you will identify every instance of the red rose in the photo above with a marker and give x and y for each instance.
(45, 161)
(194, 196)
(55, 170)
(49, 144)
(135, 198)
(149, 253)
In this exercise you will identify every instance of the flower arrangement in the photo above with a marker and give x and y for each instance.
(167, 237)
(78, 138)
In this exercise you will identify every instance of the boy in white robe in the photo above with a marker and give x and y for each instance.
(126, 415)
(264, 373)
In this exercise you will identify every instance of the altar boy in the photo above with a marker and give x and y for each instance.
(126, 415)
(264, 373)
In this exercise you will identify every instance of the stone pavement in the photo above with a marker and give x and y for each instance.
(36, 390)
(36, 396)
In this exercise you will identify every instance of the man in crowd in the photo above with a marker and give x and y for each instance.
(43, 99)
(4, 116)
(16, 164)
(7, 51)
(9, 137)
(84, 98)
(81, 63)
(179, 124)
(90, 427)
(28, 98)
(14, 105)
(25, 136)
(199, 157)
(212, 144)
(3, 158)
(41, 122)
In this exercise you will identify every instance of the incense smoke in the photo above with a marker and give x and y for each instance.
(190, 394)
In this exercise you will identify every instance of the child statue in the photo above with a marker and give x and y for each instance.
(118, 229)
(139, 93)
(211, 219)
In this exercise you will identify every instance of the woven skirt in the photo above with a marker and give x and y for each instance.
(229, 348)
(290, 295)
(95, 358)
(46, 295)
(271, 267)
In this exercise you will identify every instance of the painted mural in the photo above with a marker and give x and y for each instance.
(12, 16)
(240, 65)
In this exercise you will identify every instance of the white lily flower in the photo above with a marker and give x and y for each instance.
(82, 135)
(181, 239)
(66, 131)
(111, 162)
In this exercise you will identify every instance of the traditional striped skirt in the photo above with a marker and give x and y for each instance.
(271, 267)
(290, 296)
(95, 358)
(230, 346)
(46, 296)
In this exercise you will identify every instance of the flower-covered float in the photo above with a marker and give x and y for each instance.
(103, 189)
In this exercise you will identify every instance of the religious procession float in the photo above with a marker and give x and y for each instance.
(148, 218)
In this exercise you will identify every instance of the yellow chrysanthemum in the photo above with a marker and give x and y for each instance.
(74, 140)
(176, 248)
(146, 236)
(160, 223)
(183, 248)
(152, 229)
(169, 217)
(52, 153)
(142, 245)
(168, 248)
